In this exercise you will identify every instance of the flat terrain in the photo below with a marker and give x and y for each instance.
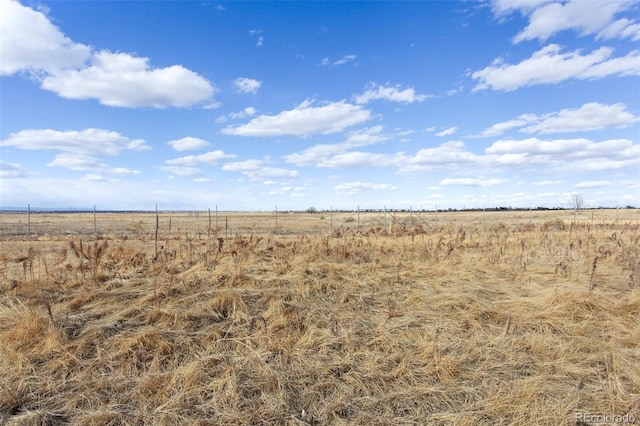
(462, 318)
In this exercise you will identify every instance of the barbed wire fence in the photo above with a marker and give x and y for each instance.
(217, 223)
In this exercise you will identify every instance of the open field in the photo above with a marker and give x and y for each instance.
(458, 318)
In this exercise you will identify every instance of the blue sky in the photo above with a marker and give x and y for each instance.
(249, 105)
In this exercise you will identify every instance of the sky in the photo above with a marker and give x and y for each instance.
(190, 105)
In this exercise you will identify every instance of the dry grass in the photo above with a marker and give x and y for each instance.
(497, 322)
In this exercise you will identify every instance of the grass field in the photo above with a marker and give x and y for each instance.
(462, 318)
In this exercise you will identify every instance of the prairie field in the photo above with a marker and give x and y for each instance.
(448, 318)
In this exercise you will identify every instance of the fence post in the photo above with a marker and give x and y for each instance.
(331, 219)
(157, 224)
(484, 227)
(95, 228)
(276, 219)
(29, 221)
(358, 218)
(410, 218)
(385, 218)
(209, 226)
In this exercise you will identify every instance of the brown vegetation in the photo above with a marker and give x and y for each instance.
(447, 323)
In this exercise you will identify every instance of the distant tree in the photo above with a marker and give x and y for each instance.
(577, 202)
(311, 210)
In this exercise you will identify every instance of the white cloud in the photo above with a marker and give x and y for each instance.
(74, 71)
(123, 80)
(345, 59)
(389, 93)
(566, 154)
(303, 120)
(247, 112)
(450, 155)
(124, 171)
(79, 162)
(546, 19)
(590, 116)
(297, 191)
(351, 188)
(30, 42)
(341, 61)
(202, 180)
(548, 182)
(593, 184)
(504, 7)
(549, 65)
(320, 152)
(447, 132)
(188, 144)
(358, 160)
(94, 177)
(247, 85)
(211, 158)
(573, 147)
(11, 170)
(181, 171)
(471, 182)
(505, 126)
(256, 32)
(85, 142)
(256, 170)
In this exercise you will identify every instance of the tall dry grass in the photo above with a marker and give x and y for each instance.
(454, 323)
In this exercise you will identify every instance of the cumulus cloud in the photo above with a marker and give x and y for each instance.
(505, 126)
(84, 142)
(123, 80)
(256, 170)
(550, 65)
(75, 71)
(30, 42)
(79, 162)
(11, 170)
(450, 155)
(188, 144)
(303, 120)
(447, 132)
(182, 170)
(247, 85)
(590, 116)
(389, 93)
(351, 188)
(572, 147)
(316, 153)
(576, 154)
(211, 158)
(247, 112)
(547, 19)
(358, 160)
